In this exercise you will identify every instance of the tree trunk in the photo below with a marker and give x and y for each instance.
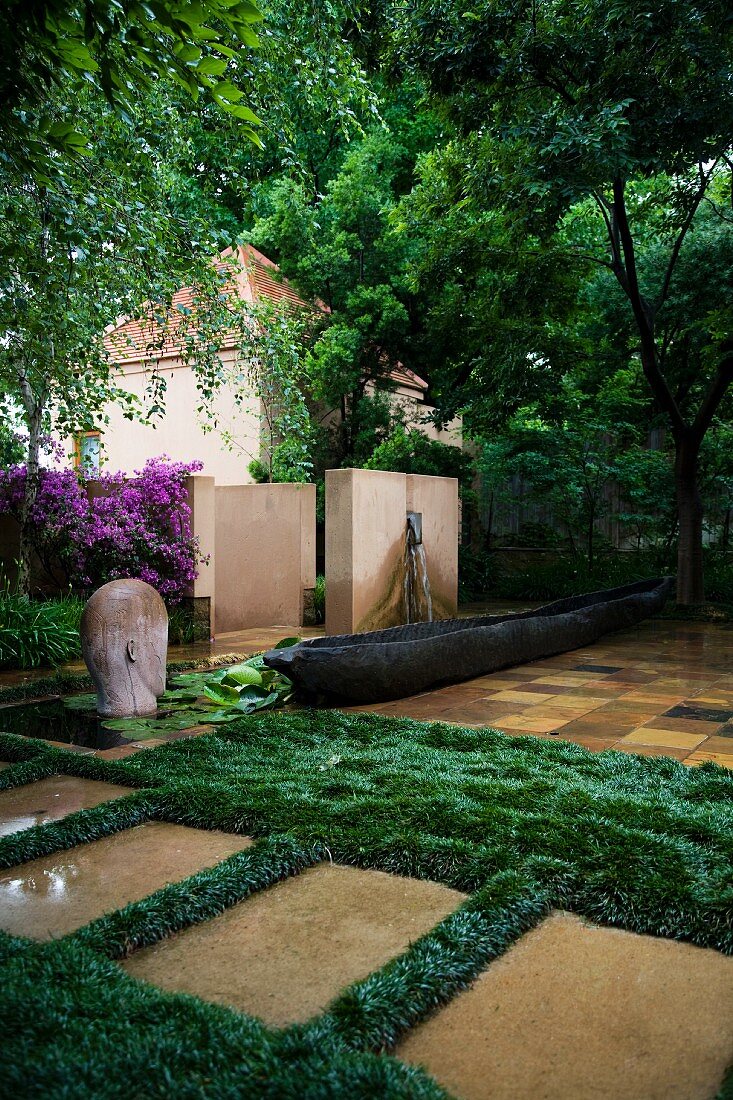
(32, 482)
(690, 580)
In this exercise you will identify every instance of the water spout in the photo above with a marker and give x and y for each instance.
(418, 602)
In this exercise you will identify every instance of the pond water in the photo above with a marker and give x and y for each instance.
(50, 720)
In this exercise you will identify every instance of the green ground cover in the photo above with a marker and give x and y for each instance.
(520, 824)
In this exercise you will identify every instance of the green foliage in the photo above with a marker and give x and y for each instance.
(319, 599)
(35, 633)
(271, 364)
(410, 451)
(123, 53)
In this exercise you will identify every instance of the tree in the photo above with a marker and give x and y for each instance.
(122, 50)
(73, 258)
(580, 105)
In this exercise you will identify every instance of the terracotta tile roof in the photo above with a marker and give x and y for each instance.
(254, 278)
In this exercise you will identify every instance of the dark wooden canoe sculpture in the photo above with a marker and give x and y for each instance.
(403, 660)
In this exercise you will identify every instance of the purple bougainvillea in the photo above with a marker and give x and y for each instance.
(114, 527)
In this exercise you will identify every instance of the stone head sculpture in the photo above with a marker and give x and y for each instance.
(124, 638)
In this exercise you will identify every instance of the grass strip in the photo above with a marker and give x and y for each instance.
(197, 898)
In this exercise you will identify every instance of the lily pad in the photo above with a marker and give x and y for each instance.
(221, 694)
(286, 643)
(243, 674)
(86, 702)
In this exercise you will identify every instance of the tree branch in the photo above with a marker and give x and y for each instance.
(677, 247)
(642, 313)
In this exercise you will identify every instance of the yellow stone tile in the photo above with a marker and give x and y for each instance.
(533, 725)
(527, 697)
(672, 738)
(580, 703)
(702, 757)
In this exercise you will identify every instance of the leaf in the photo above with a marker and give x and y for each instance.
(243, 674)
(221, 694)
(286, 643)
(87, 702)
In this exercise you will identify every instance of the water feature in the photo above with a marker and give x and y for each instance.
(418, 602)
(50, 720)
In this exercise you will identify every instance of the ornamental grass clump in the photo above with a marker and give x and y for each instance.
(138, 527)
(36, 633)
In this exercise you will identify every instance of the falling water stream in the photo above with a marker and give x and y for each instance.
(418, 602)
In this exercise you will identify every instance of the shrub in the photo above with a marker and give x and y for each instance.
(137, 527)
(36, 633)
(411, 452)
(319, 599)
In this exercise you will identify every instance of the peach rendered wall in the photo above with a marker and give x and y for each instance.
(436, 498)
(366, 512)
(265, 554)
(182, 432)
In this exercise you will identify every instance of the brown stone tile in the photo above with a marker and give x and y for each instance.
(684, 725)
(120, 752)
(667, 738)
(552, 710)
(571, 679)
(472, 713)
(539, 687)
(601, 688)
(3, 765)
(591, 726)
(285, 953)
(573, 1011)
(48, 897)
(718, 744)
(51, 799)
(632, 676)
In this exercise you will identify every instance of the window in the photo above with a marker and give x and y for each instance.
(87, 448)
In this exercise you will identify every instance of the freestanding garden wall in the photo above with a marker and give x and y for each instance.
(261, 545)
(366, 514)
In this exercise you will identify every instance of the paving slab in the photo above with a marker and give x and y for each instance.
(48, 897)
(285, 953)
(574, 1011)
(51, 799)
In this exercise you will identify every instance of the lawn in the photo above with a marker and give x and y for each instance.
(522, 825)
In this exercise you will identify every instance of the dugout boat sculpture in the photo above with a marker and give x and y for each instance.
(403, 660)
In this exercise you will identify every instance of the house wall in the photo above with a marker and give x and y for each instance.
(182, 433)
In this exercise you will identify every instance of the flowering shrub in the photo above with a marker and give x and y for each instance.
(137, 527)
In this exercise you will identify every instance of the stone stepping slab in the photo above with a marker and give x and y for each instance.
(285, 953)
(574, 1010)
(51, 799)
(51, 896)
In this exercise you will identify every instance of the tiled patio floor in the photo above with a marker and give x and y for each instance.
(661, 689)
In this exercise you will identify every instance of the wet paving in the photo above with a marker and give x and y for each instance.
(51, 896)
(285, 953)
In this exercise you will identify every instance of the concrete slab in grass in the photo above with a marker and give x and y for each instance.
(573, 1010)
(285, 953)
(48, 897)
(51, 799)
